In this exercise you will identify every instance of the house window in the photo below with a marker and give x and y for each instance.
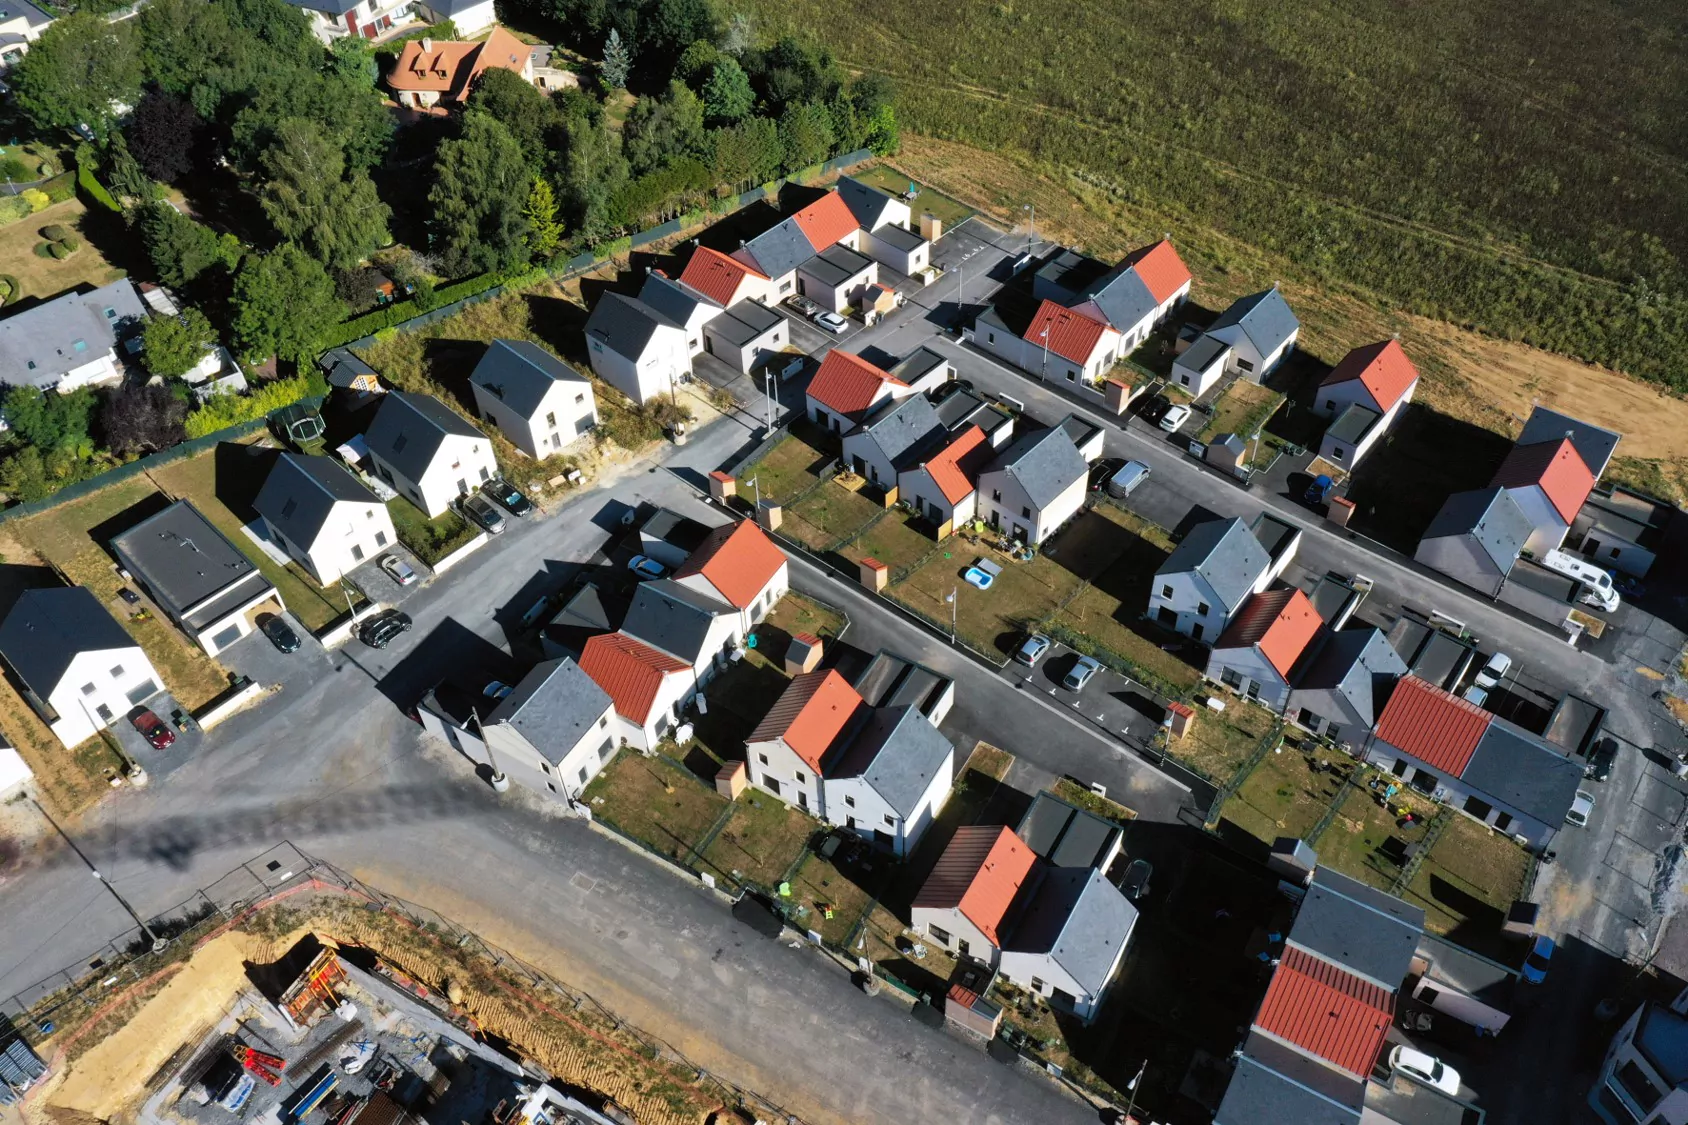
(890, 821)
(380, 538)
(996, 494)
(1336, 452)
(1166, 591)
(801, 780)
(1244, 365)
(1330, 404)
(583, 775)
(289, 508)
(485, 475)
(104, 713)
(1503, 821)
(1231, 680)
(357, 552)
(117, 672)
(1025, 512)
(1307, 719)
(1424, 781)
(111, 314)
(1399, 769)
(1253, 691)
(1332, 731)
(773, 785)
(543, 768)
(580, 398)
(1196, 631)
(606, 749)
(603, 722)
(1071, 375)
(990, 337)
(1037, 985)
(1615, 552)
(764, 758)
(1478, 807)
(1203, 609)
(1184, 380)
(87, 689)
(942, 935)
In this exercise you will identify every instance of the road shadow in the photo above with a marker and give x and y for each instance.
(449, 649)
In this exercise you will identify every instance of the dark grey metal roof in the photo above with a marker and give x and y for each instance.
(1594, 444)
(520, 373)
(1260, 1095)
(183, 560)
(673, 298)
(1065, 835)
(1520, 770)
(626, 325)
(408, 429)
(916, 365)
(1070, 270)
(342, 365)
(1366, 931)
(589, 612)
(49, 628)
(898, 753)
(903, 429)
(1045, 462)
(1122, 297)
(300, 493)
(554, 707)
(19, 1068)
(1264, 318)
(1663, 1035)
(1079, 919)
(1358, 665)
(681, 532)
(1200, 355)
(781, 248)
(1491, 517)
(672, 617)
(40, 346)
(867, 203)
(744, 322)
(1226, 554)
(836, 265)
(1353, 424)
(899, 238)
(890, 680)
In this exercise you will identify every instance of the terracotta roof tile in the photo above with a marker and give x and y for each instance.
(1327, 1011)
(1383, 368)
(1439, 729)
(1280, 622)
(955, 467)
(451, 67)
(715, 275)
(980, 873)
(848, 384)
(1161, 269)
(1072, 335)
(826, 221)
(738, 559)
(810, 715)
(630, 671)
(1556, 468)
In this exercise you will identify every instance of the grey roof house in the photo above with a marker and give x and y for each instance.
(892, 439)
(201, 580)
(1476, 537)
(1342, 689)
(899, 754)
(326, 519)
(1264, 318)
(538, 402)
(1071, 933)
(680, 621)
(71, 341)
(428, 451)
(1035, 485)
(1594, 444)
(780, 249)
(1210, 574)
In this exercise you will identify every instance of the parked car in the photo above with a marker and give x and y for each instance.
(152, 728)
(646, 567)
(1426, 1068)
(1154, 407)
(1319, 491)
(802, 304)
(1080, 674)
(496, 690)
(385, 627)
(1600, 759)
(1494, 671)
(1476, 695)
(482, 514)
(1536, 961)
(1125, 482)
(129, 596)
(279, 632)
(1582, 806)
(508, 496)
(398, 570)
(1101, 471)
(1135, 885)
(1032, 650)
(1176, 415)
(832, 322)
(1629, 586)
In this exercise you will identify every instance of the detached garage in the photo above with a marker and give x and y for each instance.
(745, 336)
(837, 277)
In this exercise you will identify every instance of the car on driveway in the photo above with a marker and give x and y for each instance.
(279, 632)
(1135, 885)
(152, 728)
(1101, 470)
(1537, 960)
(646, 567)
(508, 496)
(1600, 760)
(1494, 671)
(385, 627)
(1582, 807)
(1176, 415)
(398, 570)
(1426, 1068)
(802, 305)
(1081, 672)
(481, 512)
(496, 690)
(1032, 650)
(1125, 482)
(832, 322)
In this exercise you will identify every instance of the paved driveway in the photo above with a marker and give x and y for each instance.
(1116, 704)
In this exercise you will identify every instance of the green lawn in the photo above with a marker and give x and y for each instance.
(791, 467)
(1470, 878)
(993, 620)
(1282, 797)
(889, 179)
(1241, 410)
(760, 842)
(48, 277)
(896, 541)
(654, 801)
(819, 884)
(1217, 745)
(794, 614)
(1354, 842)
(428, 539)
(830, 513)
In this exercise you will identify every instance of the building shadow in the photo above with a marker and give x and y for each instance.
(1423, 459)
(15, 578)
(560, 324)
(449, 649)
(241, 472)
(146, 507)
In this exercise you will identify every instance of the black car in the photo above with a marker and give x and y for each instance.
(1135, 885)
(382, 629)
(279, 632)
(509, 497)
(1102, 471)
(1600, 759)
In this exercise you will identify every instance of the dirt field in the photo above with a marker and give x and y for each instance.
(1489, 382)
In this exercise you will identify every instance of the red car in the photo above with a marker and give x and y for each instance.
(152, 728)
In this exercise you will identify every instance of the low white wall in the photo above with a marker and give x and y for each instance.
(228, 707)
(461, 553)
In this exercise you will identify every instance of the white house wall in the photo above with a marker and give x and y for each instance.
(794, 781)
(1189, 593)
(559, 420)
(352, 528)
(920, 490)
(468, 460)
(1251, 669)
(1388, 759)
(840, 297)
(960, 929)
(657, 371)
(79, 716)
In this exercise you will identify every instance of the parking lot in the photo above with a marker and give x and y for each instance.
(1121, 706)
(158, 763)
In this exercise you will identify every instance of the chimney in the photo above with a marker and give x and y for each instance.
(427, 45)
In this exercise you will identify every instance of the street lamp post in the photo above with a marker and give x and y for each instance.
(1044, 335)
(756, 485)
(500, 783)
(1031, 237)
(768, 394)
(158, 943)
(1132, 1086)
(951, 601)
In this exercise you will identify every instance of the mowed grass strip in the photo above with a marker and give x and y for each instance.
(1357, 841)
(789, 469)
(1218, 744)
(654, 801)
(1470, 878)
(829, 514)
(1281, 797)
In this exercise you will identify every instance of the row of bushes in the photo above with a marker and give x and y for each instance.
(92, 189)
(389, 316)
(30, 200)
(222, 411)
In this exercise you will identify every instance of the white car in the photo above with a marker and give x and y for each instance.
(832, 322)
(1176, 415)
(1426, 1068)
(1582, 805)
(1494, 671)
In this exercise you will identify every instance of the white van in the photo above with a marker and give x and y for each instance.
(1130, 475)
(1597, 583)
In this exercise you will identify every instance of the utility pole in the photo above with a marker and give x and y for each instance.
(1132, 1086)
(768, 394)
(1045, 336)
(951, 601)
(158, 943)
(756, 483)
(500, 783)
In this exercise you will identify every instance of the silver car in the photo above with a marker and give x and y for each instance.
(832, 322)
(1582, 807)
(398, 570)
(1081, 673)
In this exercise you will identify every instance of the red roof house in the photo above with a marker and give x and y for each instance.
(1278, 625)
(1161, 270)
(1326, 1011)
(849, 386)
(1383, 369)
(433, 70)
(722, 279)
(812, 714)
(1436, 727)
(1554, 470)
(827, 221)
(955, 468)
(977, 879)
(738, 563)
(631, 672)
(1068, 334)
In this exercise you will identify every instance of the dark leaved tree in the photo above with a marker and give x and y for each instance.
(142, 419)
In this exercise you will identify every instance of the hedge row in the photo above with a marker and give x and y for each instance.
(223, 411)
(94, 190)
(400, 311)
(10, 289)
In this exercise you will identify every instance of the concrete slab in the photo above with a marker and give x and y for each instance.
(1627, 859)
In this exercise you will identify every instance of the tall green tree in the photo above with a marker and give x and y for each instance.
(663, 129)
(671, 26)
(50, 421)
(618, 62)
(481, 183)
(727, 96)
(531, 117)
(309, 199)
(181, 249)
(747, 153)
(594, 171)
(175, 343)
(806, 135)
(351, 59)
(283, 303)
(77, 72)
(545, 233)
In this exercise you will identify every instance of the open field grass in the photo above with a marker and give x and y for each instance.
(40, 277)
(790, 468)
(1283, 796)
(993, 620)
(1217, 745)
(1364, 841)
(819, 884)
(1241, 410)
(896, 540)
(654, 801)
(828, 514)
(1471, 877)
